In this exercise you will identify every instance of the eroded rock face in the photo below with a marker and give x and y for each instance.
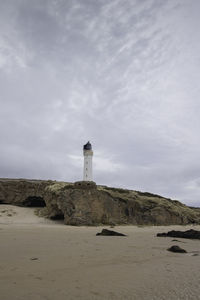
(22, 191)
(85, 203)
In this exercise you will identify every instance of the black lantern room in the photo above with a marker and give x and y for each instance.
(87, 146)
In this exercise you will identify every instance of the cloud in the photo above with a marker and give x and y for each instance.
(124, 75)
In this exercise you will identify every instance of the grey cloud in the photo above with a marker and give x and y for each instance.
(122, 74)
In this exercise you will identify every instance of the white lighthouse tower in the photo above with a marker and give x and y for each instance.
(87, 170)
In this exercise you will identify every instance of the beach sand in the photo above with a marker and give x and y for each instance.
(41, 259)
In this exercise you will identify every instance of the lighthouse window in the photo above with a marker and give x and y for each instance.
(86, 169)
(86, 162)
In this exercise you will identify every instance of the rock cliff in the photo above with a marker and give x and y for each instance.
(85, 203)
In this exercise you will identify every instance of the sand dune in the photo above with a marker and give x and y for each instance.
(44, 260)
(10, 214)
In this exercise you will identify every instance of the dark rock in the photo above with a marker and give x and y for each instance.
(177, 249)
(188, 234)
(108, 232)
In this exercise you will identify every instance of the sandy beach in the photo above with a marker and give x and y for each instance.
(41, 259)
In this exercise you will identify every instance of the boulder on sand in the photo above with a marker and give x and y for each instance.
(108, 232)
(188, 234)
(177, 249)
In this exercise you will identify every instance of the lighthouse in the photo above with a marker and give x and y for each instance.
(87, 169)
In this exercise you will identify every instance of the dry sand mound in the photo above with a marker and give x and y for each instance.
(10, 214)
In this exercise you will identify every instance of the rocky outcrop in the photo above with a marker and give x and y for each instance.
(85, 203)
(19, 191)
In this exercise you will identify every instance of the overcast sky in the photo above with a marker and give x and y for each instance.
(123, 74)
